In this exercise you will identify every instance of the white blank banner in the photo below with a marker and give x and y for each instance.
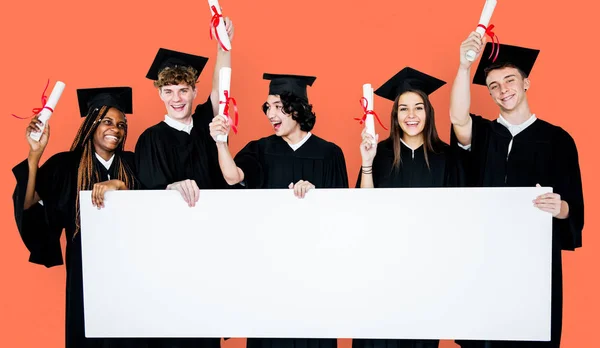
(340, 263)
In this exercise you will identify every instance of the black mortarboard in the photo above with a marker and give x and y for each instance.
(116, 97)
(408, 79)
(294, 84)
(521, 57)
(168, 58)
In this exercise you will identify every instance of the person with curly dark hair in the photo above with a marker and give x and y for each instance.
(291, 158)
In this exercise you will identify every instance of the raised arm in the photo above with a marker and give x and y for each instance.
(223, 61)
(460, 96)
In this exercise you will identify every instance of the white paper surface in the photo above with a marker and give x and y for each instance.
(221, 27)
(369, 121)
(224, 85)
(45, 114)
(484, 19)
(412, 263)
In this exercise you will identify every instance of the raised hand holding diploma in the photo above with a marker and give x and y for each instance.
(218, 25)
(43, 113)
(484, 27)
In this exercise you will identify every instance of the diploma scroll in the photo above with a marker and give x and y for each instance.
(48, 109)
(220, 30)
(224, 93)
(484, 21)
(369, 121)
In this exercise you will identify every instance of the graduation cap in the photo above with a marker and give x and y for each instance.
(116, 97)
(521, 57)
(167, 58)
(295, 84)
(408, 79)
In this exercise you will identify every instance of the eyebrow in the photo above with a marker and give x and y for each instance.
(419, 103)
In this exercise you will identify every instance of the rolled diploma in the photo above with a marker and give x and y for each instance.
(369, 121)
(224, 85)
(486, 15)
(45, 114)
(221, 27)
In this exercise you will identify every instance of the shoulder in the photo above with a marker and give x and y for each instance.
(327, 147)
(558, 136)
(127, 156)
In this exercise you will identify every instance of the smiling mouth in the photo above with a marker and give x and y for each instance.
(276, 125)
(412, 123)
(178, 107)
(111, 138)
(507, 98)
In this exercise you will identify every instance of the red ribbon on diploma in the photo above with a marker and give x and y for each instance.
(364, 103)
(495, 40)
(226, 111)
(214, 22)
(38, 110)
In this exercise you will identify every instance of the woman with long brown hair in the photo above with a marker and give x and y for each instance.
(46, 200)
(412, 156)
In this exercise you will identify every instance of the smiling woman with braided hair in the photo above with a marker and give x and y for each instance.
(46, 200)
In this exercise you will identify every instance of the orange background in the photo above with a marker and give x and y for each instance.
(345, 44)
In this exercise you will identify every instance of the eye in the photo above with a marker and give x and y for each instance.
(107, 122)
(420, 108)
(122, 126)
(403, 109)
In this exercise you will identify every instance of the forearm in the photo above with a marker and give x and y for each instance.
(460, 98)
(31, 197)
(366, 176)
(231, 173)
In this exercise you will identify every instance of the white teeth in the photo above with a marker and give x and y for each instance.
(112, 137)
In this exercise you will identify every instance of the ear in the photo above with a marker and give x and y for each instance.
(195, 92)
(526, 84)
(160, 93)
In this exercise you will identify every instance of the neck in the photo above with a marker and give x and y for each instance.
(413, 141)
(106, 155)
(518, 115)
(295, 136)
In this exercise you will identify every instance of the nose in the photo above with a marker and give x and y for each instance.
(176, 96)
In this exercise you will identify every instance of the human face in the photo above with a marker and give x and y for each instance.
(110, 132)
(178, 100)
(507, 87)
(411, 114)
(283, 124)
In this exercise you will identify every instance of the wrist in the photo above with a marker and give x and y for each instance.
(221, 145)
(34, 157)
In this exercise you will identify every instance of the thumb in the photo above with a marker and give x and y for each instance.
(538, 185)
(291, 185)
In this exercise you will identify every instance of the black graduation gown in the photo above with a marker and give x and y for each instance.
(271, 163)
(165, 155)
(541, 154)
(41, 227)
(444, 169)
